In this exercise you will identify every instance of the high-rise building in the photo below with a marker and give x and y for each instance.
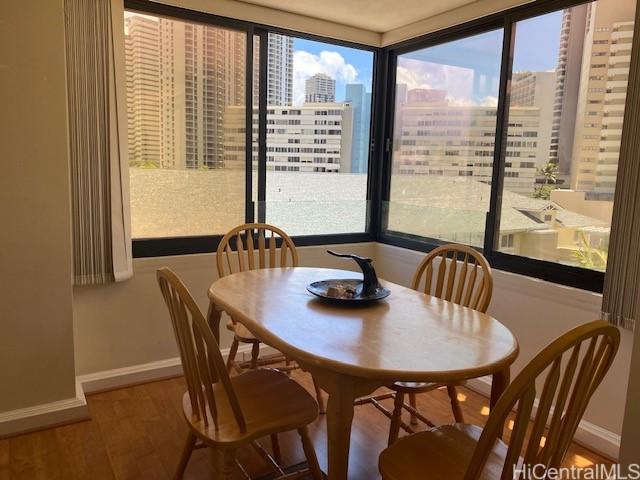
(426, 95)
(314, 137)
(603, 89)
(320, 88)
(143, 90)
(536, 89)
(184, 77)
(567, 87)
(279, 70)
(360, 100)
(457, 141)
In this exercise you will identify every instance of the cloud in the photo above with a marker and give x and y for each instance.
(456, 81)
(306, 64)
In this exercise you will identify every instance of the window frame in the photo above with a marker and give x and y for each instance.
(568, 275)
(183, 245)
(381, 134)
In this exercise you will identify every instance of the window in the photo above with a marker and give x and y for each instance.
(186, 111)
(445, 99)
(561, 212)
(324, 92)
(563, 96)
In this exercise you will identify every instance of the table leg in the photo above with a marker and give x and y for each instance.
(339, 418)
(498, 385)
(342, 391)
(214, 316)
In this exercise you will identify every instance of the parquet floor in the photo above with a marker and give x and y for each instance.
(137, 433)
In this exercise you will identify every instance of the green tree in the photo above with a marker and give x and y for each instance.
(589, 256)
(549, 172)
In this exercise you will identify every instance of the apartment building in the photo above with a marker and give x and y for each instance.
(603, 86)
(458, 141)
(320, 88)
(310, 138)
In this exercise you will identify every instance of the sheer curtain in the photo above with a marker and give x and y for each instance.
(621, 296)
(97, 140)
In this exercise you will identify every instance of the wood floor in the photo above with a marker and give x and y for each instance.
(137, 433)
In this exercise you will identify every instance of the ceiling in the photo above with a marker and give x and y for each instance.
(373, 15)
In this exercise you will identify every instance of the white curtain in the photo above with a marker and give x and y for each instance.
(98, 141)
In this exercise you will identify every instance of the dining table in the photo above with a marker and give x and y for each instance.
(352, 350)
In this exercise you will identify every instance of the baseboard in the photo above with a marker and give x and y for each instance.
(45, 415)
(588, 434)
(149, 372)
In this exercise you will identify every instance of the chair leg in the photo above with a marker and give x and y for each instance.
(396, 418)
(255, 352)
(275, 447)
(455, 404)
(412, 402)
(232, 354)
(321, 406)
(310, 453)
(186, 455)
(226, 463)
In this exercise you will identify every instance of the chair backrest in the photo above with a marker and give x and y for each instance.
(202, 361)
(469, 284)
(573, 373)
(271, 245)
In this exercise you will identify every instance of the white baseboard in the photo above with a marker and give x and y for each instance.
(588, 434)
(45, 415)
(149, 372)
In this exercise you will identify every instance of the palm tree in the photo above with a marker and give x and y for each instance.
(550, 173)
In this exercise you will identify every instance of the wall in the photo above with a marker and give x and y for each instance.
(36, 340)
(127, 324)
(537, 312)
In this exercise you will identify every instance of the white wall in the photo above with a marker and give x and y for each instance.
(537, 312)
(126, 324)
(36, 336)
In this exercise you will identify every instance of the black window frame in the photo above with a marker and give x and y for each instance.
(381, 134)
(184, 245)
(568, 275)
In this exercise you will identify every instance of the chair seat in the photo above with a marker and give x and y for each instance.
(260, 394)
(242, 333)
(442, 453)
(420, 387)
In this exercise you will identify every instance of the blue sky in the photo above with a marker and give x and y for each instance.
(309, 59)
(468, 68)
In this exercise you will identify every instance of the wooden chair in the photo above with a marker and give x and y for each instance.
(574, 364)
(469, 284)
(248, 247)
(227, 413)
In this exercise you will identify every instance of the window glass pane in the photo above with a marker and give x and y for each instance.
(186, 132)
(318, 120)
(568, 90)
(443, 140)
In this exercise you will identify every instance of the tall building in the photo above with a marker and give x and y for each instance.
(536, 89)
(143, 90)
(184, 78)
(360, 101)
(603, 88)
(567, 87)
(320, 88)
(426, 95)
(280, 70)
(457, 141)
(315, 137)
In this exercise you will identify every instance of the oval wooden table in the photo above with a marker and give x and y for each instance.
(351, 352)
